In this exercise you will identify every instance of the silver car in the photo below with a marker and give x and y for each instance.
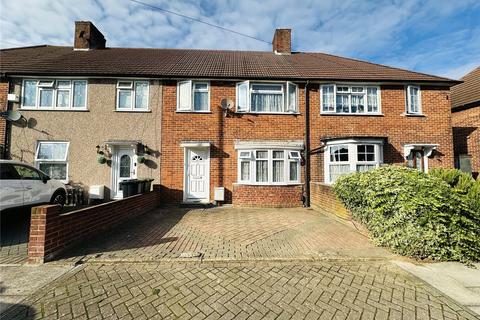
(23, 185)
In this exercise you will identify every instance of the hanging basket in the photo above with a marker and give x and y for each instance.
(141, 159)
(102, 160)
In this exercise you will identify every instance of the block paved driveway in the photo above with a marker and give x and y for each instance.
(226, 234)
(328, 271)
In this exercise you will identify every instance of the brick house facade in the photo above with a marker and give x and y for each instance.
(239, 120)
(466, 123)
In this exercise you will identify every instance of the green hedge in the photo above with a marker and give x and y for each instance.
(434, 216)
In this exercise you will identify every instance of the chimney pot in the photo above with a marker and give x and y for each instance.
(282, 41)
(87, 36)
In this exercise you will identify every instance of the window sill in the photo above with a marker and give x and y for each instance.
(268, 184)
(133, 111)
(413, 115)
(267, 113)
(53, 109)
(191, 111)
(352, 114)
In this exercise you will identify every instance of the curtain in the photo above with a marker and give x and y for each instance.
(262, 170)
(184, 95)
(79, 88)
(46, 98)
(63, 98)
(30, 93)
(372, 100)
(200, 100)
(263, 102)
(336, 170)
(342, 103)
(55, 170)
(358, 103)
(365, 167)
(328, 100)
(278, 170)
(245, 170)
(124, 99)
(293, 170)
(141, 95)
(52, 151)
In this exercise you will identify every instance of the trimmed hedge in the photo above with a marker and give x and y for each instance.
(434, 216)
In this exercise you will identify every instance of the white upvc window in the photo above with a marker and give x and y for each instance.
(349, 99)
(132, 95)
(193, 96)
(51, 158)
(267, 97)
(49, 94)
(414, 100)
(351, 155)
(269, 167)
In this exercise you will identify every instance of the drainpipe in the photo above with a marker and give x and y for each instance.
(307, 147)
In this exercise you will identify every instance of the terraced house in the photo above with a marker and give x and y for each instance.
(242, 127)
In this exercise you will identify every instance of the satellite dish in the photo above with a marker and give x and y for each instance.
(226, 104)
(11, 115)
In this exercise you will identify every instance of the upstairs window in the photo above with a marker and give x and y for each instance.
(349, 99)
(414, 105)
(193, 96)
(51, 158)
(50, 94)
(267, 97)
(132, 95)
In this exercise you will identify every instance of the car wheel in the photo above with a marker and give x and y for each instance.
(58, 198)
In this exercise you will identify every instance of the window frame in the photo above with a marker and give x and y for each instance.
(409, 101)
(132, 89)
(52, 84)
(190, 108)
(63, 160)
(350, 92)
(353, 162)
(285, 85)
(252, 167)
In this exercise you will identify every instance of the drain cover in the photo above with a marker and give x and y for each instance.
(190, 254)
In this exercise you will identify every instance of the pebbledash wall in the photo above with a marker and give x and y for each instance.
(432, 127)
(87, 129)
(466, 134)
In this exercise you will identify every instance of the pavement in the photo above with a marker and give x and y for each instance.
(225, 263)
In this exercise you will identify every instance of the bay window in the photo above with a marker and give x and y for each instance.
(193, 96)
(349, 99)
(54, 94)
(269, 167)
(51, 158)
(414, 105)
(275, 97)
(352, 155)
(132, 95)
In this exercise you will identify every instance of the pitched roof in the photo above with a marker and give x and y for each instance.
(468, 92)
(188, 63)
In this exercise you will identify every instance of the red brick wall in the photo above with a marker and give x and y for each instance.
(52, 232)
(466, 135)
(221, 132)
(267, 196)
(323, 198)
(433, 127)
(3, 107)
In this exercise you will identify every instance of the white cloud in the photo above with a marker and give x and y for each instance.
(384, 31)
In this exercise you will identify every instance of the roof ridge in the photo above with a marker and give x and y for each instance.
(385, 66)
(27, 47)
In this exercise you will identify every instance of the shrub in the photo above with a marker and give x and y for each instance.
(414, 213)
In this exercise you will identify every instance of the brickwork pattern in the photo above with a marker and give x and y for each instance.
(466, 135)
(268, 196)
(52, 232)
(226, 234)
(3, 106)
(361, 290)
(323, 198)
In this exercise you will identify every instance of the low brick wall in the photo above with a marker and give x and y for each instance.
(51, 232)
(267, 196)
(323, 198)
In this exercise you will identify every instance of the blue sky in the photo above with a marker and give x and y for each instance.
(440, 37)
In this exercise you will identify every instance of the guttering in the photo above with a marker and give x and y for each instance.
(307, 147)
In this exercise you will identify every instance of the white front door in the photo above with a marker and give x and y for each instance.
(124, 167)
(197, 175)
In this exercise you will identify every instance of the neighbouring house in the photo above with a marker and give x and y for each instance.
(466, 121)
(244, 127)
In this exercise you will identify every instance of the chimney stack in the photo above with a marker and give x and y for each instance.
(87, 36)
(282, 41)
